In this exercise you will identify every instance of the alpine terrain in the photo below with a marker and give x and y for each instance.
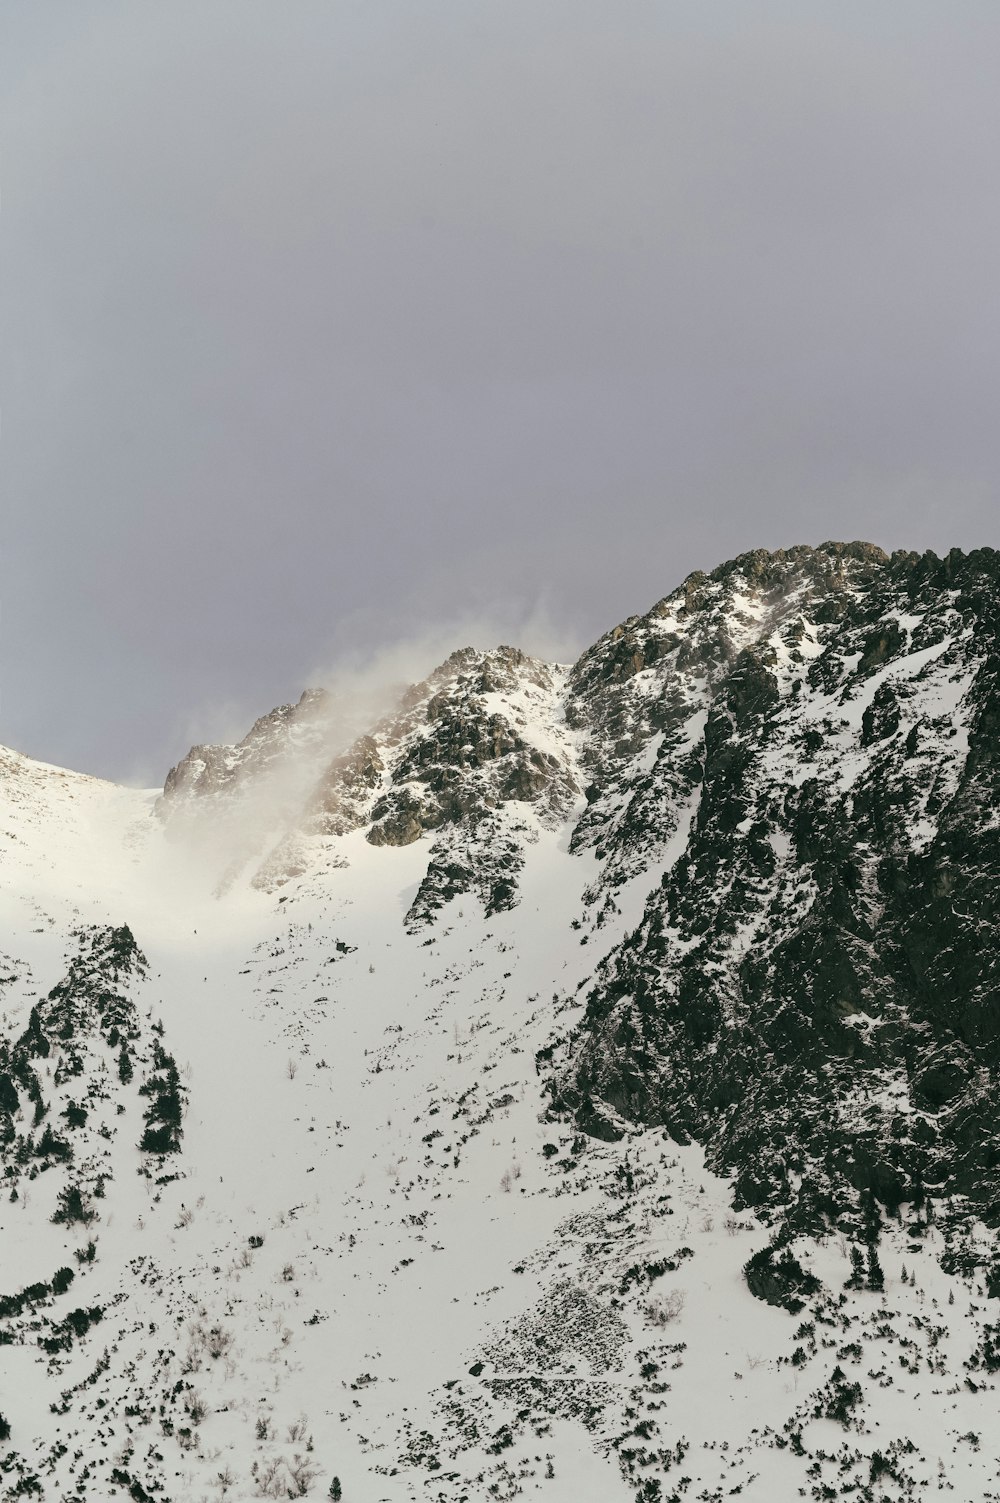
(583, 1084)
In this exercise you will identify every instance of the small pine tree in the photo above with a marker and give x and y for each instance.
(871, 1216)
(856, 1281)
(62, 1279)
(8, 1094)
(124, 1066)
(876, 1278)
(336, 1491)
(163, 1131)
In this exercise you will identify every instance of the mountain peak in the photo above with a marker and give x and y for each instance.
(666, 982)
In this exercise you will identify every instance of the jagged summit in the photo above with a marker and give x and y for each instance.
(743, 599)
(488, 730)
(473, 757)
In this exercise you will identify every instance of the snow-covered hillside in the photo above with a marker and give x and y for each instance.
(581, 1084)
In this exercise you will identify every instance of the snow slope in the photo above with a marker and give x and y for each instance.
(383, 1250)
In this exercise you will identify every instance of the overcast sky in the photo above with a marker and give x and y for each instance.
(338, 324)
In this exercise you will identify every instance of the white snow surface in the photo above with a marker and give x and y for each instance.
(370, 1200)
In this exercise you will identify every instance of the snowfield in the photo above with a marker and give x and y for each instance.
(364, 1253)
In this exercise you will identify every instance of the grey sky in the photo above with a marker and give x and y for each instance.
(329, 324)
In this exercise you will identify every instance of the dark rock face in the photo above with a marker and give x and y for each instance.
(645, 689)
(799, 754)
(459, 757)
(814, 988)
(455, 762)
(56, 1072)
(462, 761)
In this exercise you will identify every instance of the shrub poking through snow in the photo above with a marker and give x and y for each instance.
(838, 1400)
(663, 1308)
(72, 1207)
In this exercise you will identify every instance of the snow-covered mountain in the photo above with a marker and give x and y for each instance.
(583, 1082)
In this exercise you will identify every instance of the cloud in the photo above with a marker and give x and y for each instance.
(375, 660)
(225, 825)
(335, 319)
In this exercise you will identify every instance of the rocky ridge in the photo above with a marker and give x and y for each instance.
(796, 753)
(811, 990)
(795, 756)
(472, 757)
